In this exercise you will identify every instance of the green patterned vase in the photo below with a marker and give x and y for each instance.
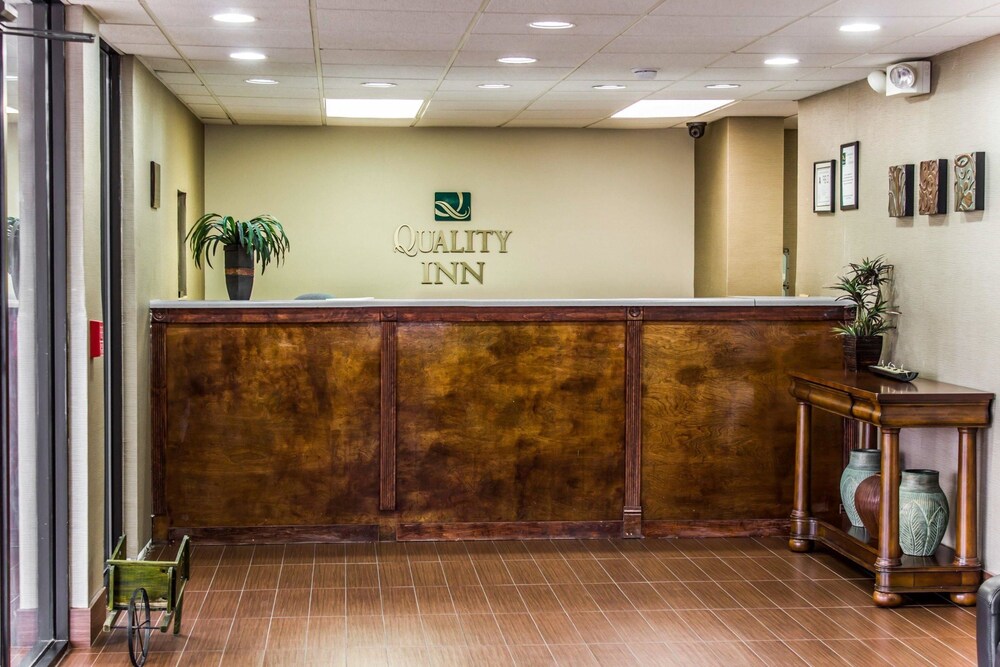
(863, 464)
(923, 512)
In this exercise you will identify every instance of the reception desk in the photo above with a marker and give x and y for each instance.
(415, 420)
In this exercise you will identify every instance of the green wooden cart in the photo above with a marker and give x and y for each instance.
(142, 586)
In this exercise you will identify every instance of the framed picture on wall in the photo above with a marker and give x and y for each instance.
(823, 173)
(849, 176)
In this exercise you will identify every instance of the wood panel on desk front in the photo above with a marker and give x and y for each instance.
(509, 422)
(271, 425)
(718, 423)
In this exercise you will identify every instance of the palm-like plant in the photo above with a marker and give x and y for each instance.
(862, 286)
(262, 236)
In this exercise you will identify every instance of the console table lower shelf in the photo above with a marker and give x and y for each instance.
(914, 574)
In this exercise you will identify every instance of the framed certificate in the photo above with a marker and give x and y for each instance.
(823, 173)
(849, 176)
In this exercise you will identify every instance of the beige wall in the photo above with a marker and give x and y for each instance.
(946, 266)
(739, 177)
(593, 213)
(790, 203)
(156, 127)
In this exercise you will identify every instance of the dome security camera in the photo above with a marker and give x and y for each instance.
(697, 129)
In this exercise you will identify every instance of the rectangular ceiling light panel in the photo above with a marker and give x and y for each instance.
(670, 108)
(372, 108)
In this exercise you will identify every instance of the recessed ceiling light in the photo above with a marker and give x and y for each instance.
(493, 86)
(247, 55)
(551, 25)
(261, 82)
(378, 84)
(233, 18)
(722, 86)
(669, 108)
(517, 60)
(781, 60)
(860, 27)
(372, 108)
(608, 86)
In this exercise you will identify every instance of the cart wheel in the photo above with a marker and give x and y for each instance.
(139, 627)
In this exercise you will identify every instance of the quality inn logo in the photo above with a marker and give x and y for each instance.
(452, 206)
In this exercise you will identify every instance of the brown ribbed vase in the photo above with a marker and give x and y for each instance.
(867, 500)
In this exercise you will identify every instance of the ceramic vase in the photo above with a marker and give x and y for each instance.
(923, 512)
(863, 464)
(860, 353)
(239, 272)
(868, 502)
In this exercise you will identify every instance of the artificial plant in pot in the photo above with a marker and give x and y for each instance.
(260, 239)
(863, 286)
(14, 252)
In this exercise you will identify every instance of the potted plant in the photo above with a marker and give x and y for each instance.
(260, 239)
(862, 287)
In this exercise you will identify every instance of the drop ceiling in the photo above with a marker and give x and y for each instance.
(441, 50)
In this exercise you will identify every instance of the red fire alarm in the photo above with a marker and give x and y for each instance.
(96, 339)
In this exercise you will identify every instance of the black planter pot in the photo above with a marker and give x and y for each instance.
(239, 272)
(861, 352)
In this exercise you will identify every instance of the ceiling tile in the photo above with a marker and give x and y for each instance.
(519, 89)
(207, 110)
(149, 50)
(801, 44)
(281, 92)
(512, 106)
(992, 11)
(244, 104)
(574, 123)
(216, 121)
(874, 60)
(390, 41)
(690, 87)
(404, 5)
(572, 6)
(853, 8)
(678, 44)
(180, 77)
(188, 89)
(383, 72)
(248, 37)
(738, 74)
(284, 82)
(357, 22)
(793, 95)
(921, 46)
(586, 24)
(842, 74)
(352, 88)
(810, 85)
(197, 99)
(755, 108)
(812, 26)
(573, 85)
(974, 26)
(501, 74)
(116, 11)
(715, 8)
(287, 15)
(535, 44)
(663, 27)
(362, 57)
(468, 58)
(273, 55)
(638, 123)
(165, 64)
(132, 34)
(246, 69)
(805, 60)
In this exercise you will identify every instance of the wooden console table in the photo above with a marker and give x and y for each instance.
(891, 405)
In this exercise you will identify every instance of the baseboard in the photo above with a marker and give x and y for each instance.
(85, 623)
(508, 530)
(717, 528)
(277, 534)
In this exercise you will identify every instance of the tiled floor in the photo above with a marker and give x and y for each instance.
(568, 602)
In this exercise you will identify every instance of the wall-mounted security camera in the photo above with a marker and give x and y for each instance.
(697, 129)
(8, 12)
(909, 78)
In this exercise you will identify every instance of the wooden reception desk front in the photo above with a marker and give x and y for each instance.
(415, 420)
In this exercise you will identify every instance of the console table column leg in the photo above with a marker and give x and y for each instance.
(889, 552)
(801, 508)
(966, 538)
